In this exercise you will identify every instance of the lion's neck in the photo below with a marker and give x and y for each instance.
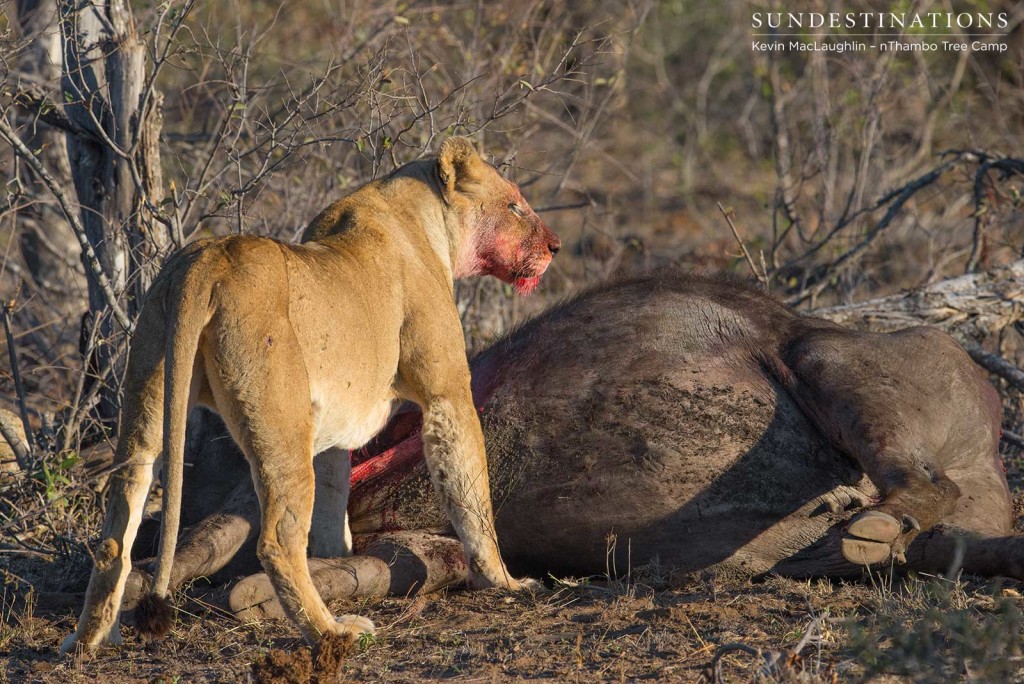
(449, 228)
(414, 190)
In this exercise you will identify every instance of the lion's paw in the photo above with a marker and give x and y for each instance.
(69, 644)
(72, 643)
(528, 584)
(353, 625)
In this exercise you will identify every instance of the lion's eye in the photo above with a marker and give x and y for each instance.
(516, 209)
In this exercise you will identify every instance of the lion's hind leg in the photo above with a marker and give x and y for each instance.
(267, 408)
(99, 622)
(136, 462)
(287, 511)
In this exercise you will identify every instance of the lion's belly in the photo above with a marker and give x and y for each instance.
(339, 424)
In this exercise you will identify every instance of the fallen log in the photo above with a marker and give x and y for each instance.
(970, 307)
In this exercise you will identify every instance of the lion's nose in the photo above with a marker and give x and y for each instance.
(554, 244)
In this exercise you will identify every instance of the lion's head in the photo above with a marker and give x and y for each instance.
(507, 240)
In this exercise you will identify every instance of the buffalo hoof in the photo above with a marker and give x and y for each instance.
(871, 538)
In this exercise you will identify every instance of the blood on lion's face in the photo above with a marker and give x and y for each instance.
(510, 242)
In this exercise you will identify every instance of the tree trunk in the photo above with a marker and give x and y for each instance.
(115, 165)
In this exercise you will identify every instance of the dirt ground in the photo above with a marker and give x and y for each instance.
(648, 625)
(624, 630)
(593, 631)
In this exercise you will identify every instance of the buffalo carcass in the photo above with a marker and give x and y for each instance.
(688, 419)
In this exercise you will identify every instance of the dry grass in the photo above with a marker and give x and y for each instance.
(597, 630)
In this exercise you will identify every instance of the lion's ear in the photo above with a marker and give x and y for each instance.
(455, 162)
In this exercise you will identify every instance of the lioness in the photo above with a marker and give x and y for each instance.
(301, 348)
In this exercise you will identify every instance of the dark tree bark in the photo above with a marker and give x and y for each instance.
(115, 166)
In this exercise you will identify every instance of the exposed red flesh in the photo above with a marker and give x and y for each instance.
(398, 446)
(404, 455)
(525, 286)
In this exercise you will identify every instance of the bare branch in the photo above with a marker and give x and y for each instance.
(995, 364)
(819, 279)
(71, 215)
(48, 113)
(761, 277)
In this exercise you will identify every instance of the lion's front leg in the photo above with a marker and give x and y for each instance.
(454, 452)
(434, 373)
(330, 535)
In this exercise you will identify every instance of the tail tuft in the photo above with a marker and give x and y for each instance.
(154, 616)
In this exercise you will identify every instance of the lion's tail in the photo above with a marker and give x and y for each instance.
(186, 319)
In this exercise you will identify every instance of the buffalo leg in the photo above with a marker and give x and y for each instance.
(887, 401)
(936, 551)
(978, 537)
(396, 564)
(213, 543)
(208, 546)
(946, 548)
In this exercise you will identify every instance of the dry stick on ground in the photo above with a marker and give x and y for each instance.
(761, 277)
(975, 305)
(20, 449)
(774, 661)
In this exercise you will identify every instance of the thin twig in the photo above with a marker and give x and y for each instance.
(819, 280)
(761, 277)
(88, 252)
(76, 411)
(982, 211)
